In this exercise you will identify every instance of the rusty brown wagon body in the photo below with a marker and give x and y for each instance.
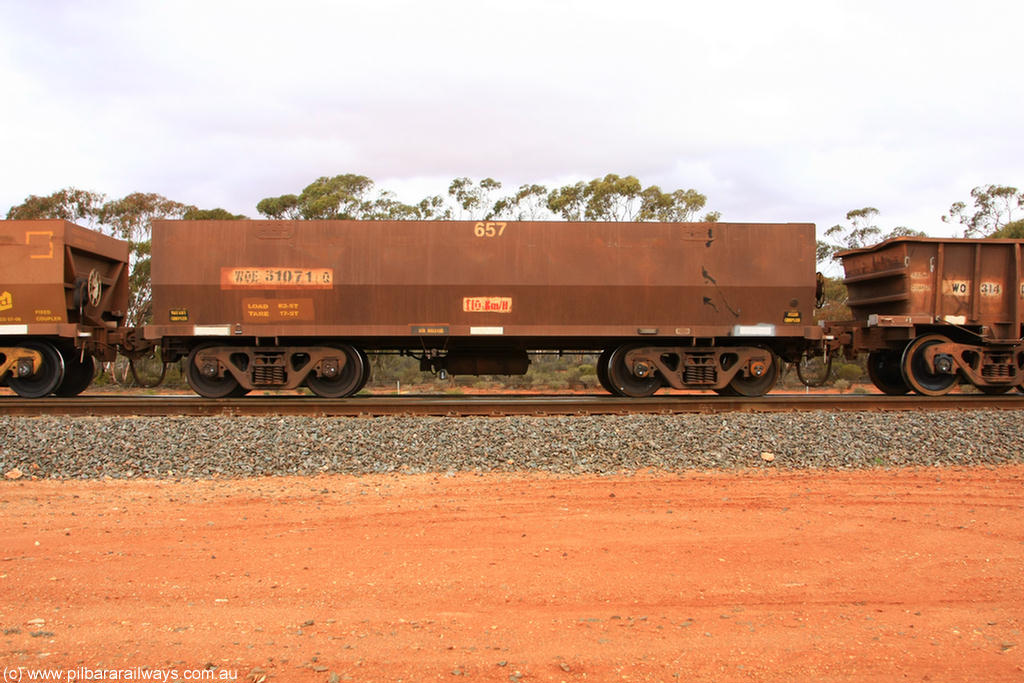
(284, 303)
(933, 311)
(63, 298)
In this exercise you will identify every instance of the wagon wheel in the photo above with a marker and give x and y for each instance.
(602, 371)
(46, 379)
(753, 387)
(885, 373)
(347, 382)
(916, 373)
(78, 373)
(622, 380)
(366, 371)
(210, 387)
(813, 371)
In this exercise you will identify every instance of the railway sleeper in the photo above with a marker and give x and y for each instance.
(701, 368)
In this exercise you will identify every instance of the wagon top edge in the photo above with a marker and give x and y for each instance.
(297, 221)
(924, 240)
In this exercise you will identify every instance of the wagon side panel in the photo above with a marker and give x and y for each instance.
(534, 280)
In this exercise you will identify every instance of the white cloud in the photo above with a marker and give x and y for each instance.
(788, 111)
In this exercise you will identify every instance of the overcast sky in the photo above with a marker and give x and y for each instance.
(777, 111)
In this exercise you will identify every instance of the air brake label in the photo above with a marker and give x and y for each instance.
(276, 277)
(178, 315)
(429, 329)
(791, 317)
(487, 304)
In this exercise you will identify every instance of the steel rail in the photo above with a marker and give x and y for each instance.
(491, 405)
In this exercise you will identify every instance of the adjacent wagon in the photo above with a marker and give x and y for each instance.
(63, 299)
(932, 311)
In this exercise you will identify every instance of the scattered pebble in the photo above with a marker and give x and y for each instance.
(204, 447)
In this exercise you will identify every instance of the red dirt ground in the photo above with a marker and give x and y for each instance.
(775, 576)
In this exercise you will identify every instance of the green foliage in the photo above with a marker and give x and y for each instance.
(848, 371)
(129, 218)
(546, 372)
(528, 203)
(432, 208)
(616, 198)
(569, 201)
(679, 206)
(994, 208)
(218, 214)
(611, 198)
(351, 196)
(835, 296)
(860, 232)
(1014, 230)
(69, 204)
(342, 196)
(474, 198)
(285, 207)
(348, 197)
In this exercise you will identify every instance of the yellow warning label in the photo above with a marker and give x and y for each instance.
(6, 301)
(45, 315)
(791, 317)
(46, 238)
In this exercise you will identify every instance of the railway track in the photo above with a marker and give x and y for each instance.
(492, 405)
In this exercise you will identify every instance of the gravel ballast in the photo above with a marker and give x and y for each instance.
(129, 447)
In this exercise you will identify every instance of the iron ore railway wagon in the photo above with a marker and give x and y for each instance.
(281, 304)
(63, 300)
(719, 306)
(934, 312)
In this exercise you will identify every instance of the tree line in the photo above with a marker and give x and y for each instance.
(611, 198)
(354, 197)
(997, 211)
(993, 212)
